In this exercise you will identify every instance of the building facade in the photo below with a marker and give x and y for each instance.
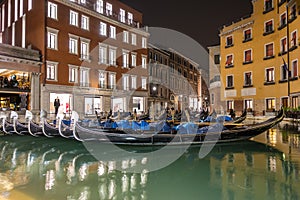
(175, 80)
(94, 52)
(215, 80)
(260, 58)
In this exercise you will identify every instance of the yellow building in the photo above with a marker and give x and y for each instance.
(256, 54)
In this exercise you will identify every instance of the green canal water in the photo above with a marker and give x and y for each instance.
(267, 167)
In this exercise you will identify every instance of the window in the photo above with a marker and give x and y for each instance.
(99, 6)
(83, 1)
(144, 83)
(91, 105)
(16, 9)
(249, 104)
(108, 9)
(229, 81)
(21, 8)
(73, 45)
(229, 61)
(130, 18)
(73, 70)
(230, 105)
(102, 79)
(212, 97)
(284, 72)
(103, 29)
(248, 79)
(217, 59)
(52, 38)
(85, 22)
(111, 80)
(268, 5)
(294, 69)
(144, 61)
(270, 75)
(133, 82)
(52, 10)
(125, 36)
(283, 20)
(269, 50)
(84, 77)
(294, 39)
(102, 54)
(144, 42)
(113, 56)
(229, 41)
(269, 27)
(283, 45)
(112, 32)
(125, 58)
(29, 5)
(133, 59)
(122, 16)
(125, 82)
(2, 17)
(293, 14)
(285, 102)
(248, 56)
(73, 18)
(133, 39)
(247, 35)
(295, 102)
(51, 71)
(270, 104)
(9, 14)
(85, 49)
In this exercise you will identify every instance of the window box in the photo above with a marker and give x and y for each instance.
(247, 62)
(268, 10)
(282, 53)
(247, 40)
(293, 78)
(268, 33)
(281, 2)
(247, 86)
(292, 19)
(269, 83)
(283, 81)
(229, 66)
(293, 48)
(228, 46)
(269, 57)
(281, 26)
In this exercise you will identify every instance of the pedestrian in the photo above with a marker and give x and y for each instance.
(56, 105)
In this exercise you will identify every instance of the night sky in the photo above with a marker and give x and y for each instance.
(198, 19)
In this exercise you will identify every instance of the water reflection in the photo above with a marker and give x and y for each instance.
(41, 168)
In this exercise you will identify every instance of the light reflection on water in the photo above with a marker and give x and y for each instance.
(42, 168)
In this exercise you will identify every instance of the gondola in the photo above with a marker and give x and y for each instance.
(34, 129)
(8, 127)
(188, 134)
(59, 129)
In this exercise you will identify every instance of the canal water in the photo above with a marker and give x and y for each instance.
(267, 167)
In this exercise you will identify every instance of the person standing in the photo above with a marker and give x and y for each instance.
(56, 105)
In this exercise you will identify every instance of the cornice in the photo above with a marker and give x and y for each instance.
(242, 26)
(140, 31)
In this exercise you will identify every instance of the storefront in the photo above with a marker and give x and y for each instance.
(19, 79)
